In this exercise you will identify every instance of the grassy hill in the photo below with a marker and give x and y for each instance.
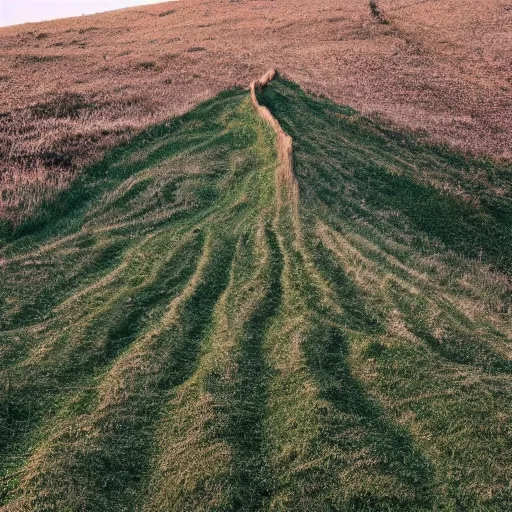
(181, 331)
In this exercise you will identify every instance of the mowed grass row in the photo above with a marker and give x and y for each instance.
(179, 333)
(414, 243)
(110, 305)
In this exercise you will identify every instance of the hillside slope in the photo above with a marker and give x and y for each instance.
(182, 331)
(71, 89)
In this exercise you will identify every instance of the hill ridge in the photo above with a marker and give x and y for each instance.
(284, 142)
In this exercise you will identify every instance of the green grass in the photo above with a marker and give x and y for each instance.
(177, 333)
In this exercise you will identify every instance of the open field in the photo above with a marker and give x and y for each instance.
(71, 89)
(183, 331)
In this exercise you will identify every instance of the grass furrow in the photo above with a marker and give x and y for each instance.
(104, 468)
(206, 459)
(46, 388)
(421, 336)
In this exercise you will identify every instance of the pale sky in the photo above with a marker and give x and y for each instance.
(13, 12)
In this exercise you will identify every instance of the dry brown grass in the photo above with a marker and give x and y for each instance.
(70, 89)
(285, 177)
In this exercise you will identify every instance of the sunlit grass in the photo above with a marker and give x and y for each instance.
(179, 332)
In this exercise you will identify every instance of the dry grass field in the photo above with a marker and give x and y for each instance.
(71, 89)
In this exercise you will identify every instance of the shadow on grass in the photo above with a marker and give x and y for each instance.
(396, 456)
(364, 157)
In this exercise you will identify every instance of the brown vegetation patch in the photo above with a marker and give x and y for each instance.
(167, 13)
(36, 59)
(64, 105)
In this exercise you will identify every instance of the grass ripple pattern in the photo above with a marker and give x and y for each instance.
(176, 334)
